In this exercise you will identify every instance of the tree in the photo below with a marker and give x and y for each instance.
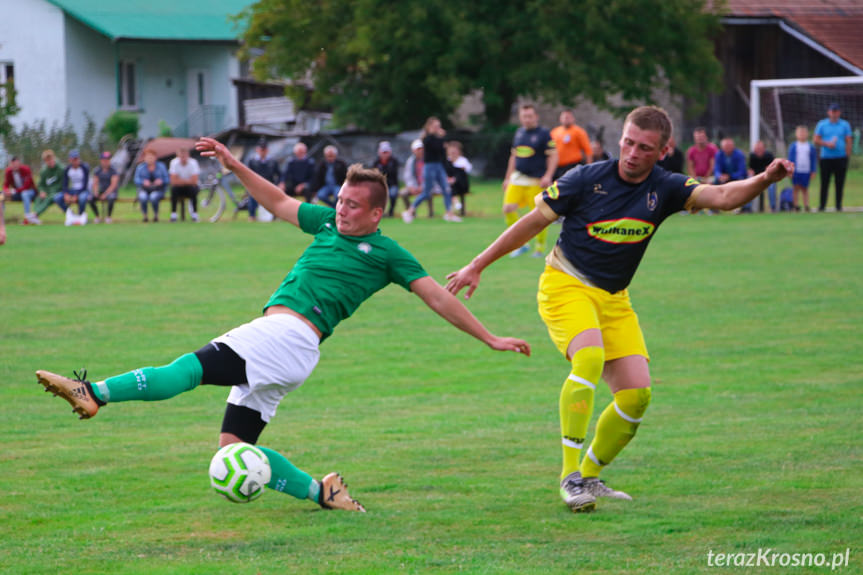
(389, 65)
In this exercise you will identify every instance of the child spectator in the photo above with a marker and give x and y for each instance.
(805, 159)
(458, 169)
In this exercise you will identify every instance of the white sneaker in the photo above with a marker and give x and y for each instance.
(451, 218)
(70, 217)
(174, 217)
(575, 495)
(597, 487)
(33, 219)
(97, 221)
(407, 216)
(194, 217)
(82, 219)
(457, 206)
(107, 220)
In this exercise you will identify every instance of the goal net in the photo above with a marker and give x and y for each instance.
(777, 107)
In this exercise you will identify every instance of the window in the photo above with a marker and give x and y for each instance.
(128, 85)
(7, 75)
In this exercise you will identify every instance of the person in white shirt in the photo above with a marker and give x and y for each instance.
(184, 172)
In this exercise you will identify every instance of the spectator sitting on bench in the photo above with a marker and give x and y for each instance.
(18, 186)
(106, 182)
(76, 178)
(50, 182)
(151, 178)
(184, 172)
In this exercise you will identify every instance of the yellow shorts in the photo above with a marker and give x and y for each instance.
(521, 195)
(568, 307)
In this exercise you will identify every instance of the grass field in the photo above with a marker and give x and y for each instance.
(754, 326)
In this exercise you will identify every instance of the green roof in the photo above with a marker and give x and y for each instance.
(170, 20)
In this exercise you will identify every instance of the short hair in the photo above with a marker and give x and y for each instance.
(149, 152)
(429, 122)
(373, 180)
(700, 129)
(13, 159)
(651, 118)
(49, 153)
(455, 144)
(331, 148)
(527, 107)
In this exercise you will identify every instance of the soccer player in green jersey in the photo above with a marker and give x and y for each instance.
(611, 211)
(261, 361)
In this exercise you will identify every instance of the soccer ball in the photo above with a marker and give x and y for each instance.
(239, 472)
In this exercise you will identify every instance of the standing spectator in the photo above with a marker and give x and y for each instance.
(50, 182)
(673, 160)
(18, 185)
(700, 158)
(76, 178)
(458, 172)
(265, 167)
(106, 182)
(298, 174)
(599, 154)
(805, 159)
(388, 165)
(184, 173)
(759, 159)
(413, 173)
(531, 166)
(833, 136)
(329, 176)
(573, 145)
(151, 178)
(434, 171)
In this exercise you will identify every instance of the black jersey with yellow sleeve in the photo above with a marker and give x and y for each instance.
(609, 222)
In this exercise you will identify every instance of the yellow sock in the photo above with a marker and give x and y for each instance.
(616, 427)
(540, 240)
(576, 403)
(510, 218)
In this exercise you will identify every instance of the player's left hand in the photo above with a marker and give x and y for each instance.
(778, 170)
(466, 276)
(510, 344)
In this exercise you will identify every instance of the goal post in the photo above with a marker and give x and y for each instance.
(805, 99)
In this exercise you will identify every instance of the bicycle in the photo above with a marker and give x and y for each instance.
(219, 184)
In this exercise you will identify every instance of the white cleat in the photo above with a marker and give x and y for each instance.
(575, 495)
(597, 487)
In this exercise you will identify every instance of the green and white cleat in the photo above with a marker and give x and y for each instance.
(597, 487)
(334, 495)
(575, 494)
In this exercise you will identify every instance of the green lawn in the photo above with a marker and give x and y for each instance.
(754, 327)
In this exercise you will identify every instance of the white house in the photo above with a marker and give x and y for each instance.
(167, 60)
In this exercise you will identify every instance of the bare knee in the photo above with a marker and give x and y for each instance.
(228, 439)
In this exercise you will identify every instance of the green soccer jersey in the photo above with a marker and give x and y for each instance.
(337, 273)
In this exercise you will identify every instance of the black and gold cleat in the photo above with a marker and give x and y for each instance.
(76, 391)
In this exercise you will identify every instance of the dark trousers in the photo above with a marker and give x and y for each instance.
(832, 167)
(180, 193)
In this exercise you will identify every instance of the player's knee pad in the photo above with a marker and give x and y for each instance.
(587, 363)
(631, 404)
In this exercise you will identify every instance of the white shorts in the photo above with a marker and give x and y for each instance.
(280, 352)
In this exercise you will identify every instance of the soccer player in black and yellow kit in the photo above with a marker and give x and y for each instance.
(611, 211)
(347, 262)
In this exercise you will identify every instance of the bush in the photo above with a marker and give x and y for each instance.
(119, 124)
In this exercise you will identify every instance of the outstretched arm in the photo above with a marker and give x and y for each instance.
(734, 194)
(448, 307)
(267, 193)
(513, 237)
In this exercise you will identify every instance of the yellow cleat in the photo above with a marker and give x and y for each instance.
(76, 391)
(334, 494)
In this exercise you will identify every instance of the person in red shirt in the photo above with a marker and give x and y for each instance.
(701, 157)
(18, 186)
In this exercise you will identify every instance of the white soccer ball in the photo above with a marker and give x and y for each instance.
(239, 472)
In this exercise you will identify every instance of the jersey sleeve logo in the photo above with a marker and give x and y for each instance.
(524, 152)
(622, 231)
(691, 182)
(553, 192)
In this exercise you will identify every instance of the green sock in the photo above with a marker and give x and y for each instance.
(286, 478)
(152, 383)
